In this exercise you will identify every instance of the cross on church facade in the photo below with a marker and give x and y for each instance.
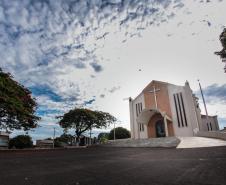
(155, 96)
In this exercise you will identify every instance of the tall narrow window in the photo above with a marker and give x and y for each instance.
(180, 109)
(184, 113)
(178, 100)
(136, 110)
(141, 127)
(211, 126)
(207, 126)
(175, 102)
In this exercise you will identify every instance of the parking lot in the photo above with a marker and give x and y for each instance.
(114, 166)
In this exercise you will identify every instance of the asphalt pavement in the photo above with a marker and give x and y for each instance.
(114, 166)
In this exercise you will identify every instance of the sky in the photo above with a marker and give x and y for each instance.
(97, 53)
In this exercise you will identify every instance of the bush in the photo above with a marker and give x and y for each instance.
(103, 137)
(20, 142)
(120, 133)
(64, 139)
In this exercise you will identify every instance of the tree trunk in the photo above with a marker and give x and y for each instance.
(77, 136)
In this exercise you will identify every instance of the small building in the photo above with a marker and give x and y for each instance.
(209, 123)
(163, 109)
(224, 129)
(4, 139)
(45, 143)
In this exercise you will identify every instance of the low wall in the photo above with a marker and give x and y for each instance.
(4, 140)
(167, 142)
(212, 134)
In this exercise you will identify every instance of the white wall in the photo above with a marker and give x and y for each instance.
(135, 133)
(213, 134)
(190, 112)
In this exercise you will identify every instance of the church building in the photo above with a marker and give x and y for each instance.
(163, 109)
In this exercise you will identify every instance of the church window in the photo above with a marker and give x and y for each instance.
(180, 110)
(175, 102)
(182, 101)
(141, 127)
(211, 126)
(138, 108)
(208, 127)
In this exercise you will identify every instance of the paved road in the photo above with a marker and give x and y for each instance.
(115, 166)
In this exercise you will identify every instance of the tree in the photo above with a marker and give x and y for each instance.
(222, 39)
(120, 133)
(222, 53)
(21, 141)
(17, 107)
(84, 119)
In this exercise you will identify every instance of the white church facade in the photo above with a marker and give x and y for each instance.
(163, 109)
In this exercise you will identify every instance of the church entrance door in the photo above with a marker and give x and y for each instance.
(160, 129)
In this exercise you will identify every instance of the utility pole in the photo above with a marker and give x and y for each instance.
(54, 132)
(114, 131)
(90, 134)
(204, 103)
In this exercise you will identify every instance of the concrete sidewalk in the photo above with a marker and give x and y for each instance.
(199, 142)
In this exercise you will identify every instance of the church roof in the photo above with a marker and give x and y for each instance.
(154, 82)
(150, 84)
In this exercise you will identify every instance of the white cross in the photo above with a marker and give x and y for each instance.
(154, 91)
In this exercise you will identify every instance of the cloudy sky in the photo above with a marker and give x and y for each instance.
(95, 53)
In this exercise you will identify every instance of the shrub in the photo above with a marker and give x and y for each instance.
(20, 142)
(120, 133)
(103, 135)
(64, 139)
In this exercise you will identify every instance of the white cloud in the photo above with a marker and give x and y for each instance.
(54, 44)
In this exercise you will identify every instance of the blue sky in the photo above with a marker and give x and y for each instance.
(95, 53)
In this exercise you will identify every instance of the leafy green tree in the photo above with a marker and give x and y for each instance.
(17, 107)
(21, 141)
(120, 133)
(222, 39)
(82, 120)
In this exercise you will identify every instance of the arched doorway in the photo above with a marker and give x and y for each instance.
(158, 123)
(160, 128)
